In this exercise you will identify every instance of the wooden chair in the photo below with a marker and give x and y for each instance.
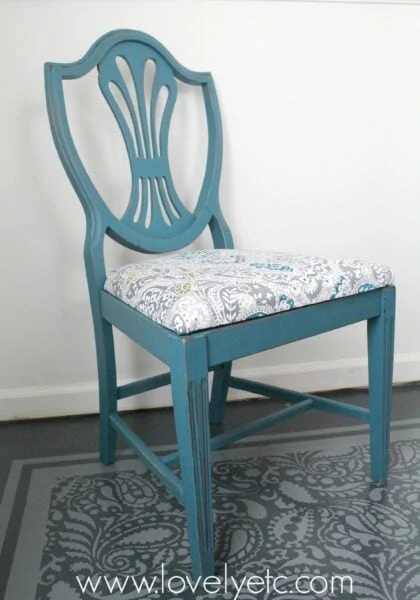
(197, 311)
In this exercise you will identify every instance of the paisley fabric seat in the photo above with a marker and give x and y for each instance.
(195, 290)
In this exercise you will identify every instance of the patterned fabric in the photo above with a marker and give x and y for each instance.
(197, 290)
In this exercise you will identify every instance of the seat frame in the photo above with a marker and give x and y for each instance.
(191, 357)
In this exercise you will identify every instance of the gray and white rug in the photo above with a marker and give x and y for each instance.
(290, 505)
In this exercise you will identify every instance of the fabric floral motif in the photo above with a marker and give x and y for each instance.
(195, 290)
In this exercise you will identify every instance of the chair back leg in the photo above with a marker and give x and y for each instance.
(381, 355)
(219, 393)
(107, 390)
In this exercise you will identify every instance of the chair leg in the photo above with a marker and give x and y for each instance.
(219, 393)
(381, 355)
(107, 391)
(191, 410)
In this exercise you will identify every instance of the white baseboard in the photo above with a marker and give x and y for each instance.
(80, 399)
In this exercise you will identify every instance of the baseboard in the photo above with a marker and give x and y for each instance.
(80, 399)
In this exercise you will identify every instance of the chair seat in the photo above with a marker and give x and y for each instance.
(195, 290)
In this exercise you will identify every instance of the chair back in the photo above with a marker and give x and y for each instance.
(155, 219)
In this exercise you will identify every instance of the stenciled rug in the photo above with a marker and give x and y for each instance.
(287, 505)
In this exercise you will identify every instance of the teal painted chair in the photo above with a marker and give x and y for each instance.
(197, 311)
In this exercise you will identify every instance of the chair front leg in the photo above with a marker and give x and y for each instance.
(381, 359)
(219, 392)
(105, 354)
(189, 377)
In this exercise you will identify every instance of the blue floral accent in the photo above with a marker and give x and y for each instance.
(337, 288)
(290, 303)
(255, 316)
(366, 287)
(272, 266)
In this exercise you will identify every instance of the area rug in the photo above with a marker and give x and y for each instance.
(286, 508)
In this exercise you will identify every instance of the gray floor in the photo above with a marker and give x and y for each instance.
(55, 437)
(46, 439)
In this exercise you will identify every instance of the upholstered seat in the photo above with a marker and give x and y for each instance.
(197, 290)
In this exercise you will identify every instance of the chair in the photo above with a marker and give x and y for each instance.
(197, 311)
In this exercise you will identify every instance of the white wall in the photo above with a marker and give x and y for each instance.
(321, 111)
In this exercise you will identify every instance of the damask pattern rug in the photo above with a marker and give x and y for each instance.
(284, 506)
